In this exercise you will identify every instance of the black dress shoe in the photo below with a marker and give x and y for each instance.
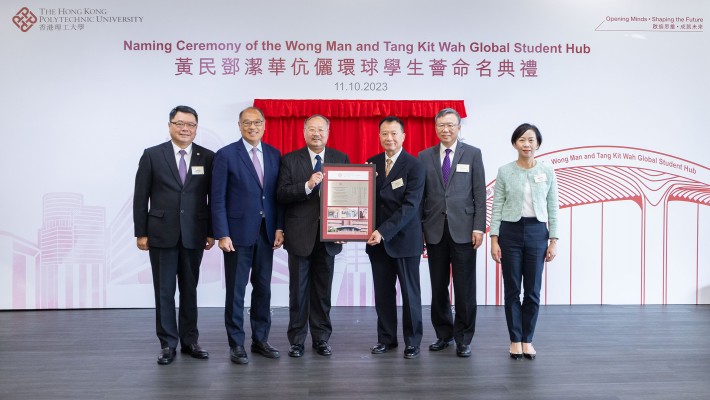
(516, 356)
(167, 355)
(381, 348)
(265, 349)
(296, 350)
(411, 352)
(463, 350)
(529, 356)
(195, 351)
(238, 355)
(322, 348)
(440, 344)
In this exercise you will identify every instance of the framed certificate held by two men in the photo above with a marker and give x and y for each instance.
(347, 202)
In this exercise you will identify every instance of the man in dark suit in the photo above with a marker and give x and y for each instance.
(249, 225)
(395, 247)
(310, 262)
(454, 218)
(173, 179)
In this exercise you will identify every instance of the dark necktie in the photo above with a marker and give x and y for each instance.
(317, 168)
(446, 167)
(182, 168)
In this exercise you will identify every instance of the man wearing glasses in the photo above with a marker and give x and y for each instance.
(171, 218)
(454, 218)
(249, 225)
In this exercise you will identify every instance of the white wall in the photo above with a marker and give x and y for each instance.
(79, 108)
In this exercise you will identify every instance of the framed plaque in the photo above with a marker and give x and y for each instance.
(347, 202)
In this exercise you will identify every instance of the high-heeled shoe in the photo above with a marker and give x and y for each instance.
(515, 346)
(530, 356)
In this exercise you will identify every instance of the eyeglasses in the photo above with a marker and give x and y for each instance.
(449, 125)
(247, 124)
(180, 124)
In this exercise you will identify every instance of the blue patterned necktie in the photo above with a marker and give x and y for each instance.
(446, 167)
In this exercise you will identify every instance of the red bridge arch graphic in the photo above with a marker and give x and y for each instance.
(653, 182)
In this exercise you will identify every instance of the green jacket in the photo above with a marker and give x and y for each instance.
(509, 195)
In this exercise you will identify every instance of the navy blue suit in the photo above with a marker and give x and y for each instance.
(248, 214)
(398, 197)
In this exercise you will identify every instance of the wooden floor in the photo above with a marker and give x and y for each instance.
(584, 352)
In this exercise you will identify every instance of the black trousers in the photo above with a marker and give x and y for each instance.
(310, 287)
(458, 260)
(385, 272)
(166, 264)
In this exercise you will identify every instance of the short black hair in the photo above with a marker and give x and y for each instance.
(391, 119)
(520, 131)
(182, 109)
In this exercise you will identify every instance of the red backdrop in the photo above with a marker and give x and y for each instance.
(353, 123)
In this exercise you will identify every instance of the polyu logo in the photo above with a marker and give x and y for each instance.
(24, 19)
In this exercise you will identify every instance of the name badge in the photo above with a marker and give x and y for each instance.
(462, 168)
(397, 183)
(198, 170)
(540, 178)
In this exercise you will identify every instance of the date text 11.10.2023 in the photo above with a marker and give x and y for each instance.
(361, 86)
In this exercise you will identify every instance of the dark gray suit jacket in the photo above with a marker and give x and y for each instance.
(302, 213)
(463, 200)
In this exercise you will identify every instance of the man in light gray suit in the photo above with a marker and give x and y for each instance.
(454, 218)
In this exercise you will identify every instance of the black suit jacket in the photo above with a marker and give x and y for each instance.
(301, 217)
(175, 209)
(398, 199)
